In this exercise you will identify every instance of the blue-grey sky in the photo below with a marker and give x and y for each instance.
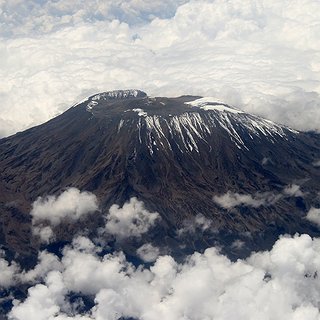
(262, 56)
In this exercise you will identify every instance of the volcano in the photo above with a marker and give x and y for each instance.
(180, 156)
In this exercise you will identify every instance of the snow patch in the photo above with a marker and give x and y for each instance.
(141, 112)
(210, 103)
(113, 95)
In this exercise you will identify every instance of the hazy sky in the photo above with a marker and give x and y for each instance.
(262, 56)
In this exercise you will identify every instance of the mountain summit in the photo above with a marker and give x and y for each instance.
(214, 173)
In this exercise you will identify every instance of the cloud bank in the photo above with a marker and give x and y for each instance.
(262, 56)
(279, 284)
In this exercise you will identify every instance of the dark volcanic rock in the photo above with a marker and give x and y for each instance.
(174, 154)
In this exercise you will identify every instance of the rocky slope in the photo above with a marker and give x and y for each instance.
(178, 156)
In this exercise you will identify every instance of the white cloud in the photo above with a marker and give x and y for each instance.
(7, 272)
(43, 301)
(293, 190)
(282, 283)
(131, 220)
(46, 262)
(259, 55)
(230, 200)
(313, 215)
(237, 244)
(148, 253)
(198, 223)
(72, 204)
(45, 233)
(317, 163)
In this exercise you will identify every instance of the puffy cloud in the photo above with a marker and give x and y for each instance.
(259, 55)
(44, 300)
(72, 204)
(48, 212)
(148, 253)
(7, 272)
(131, 220)
(45, 233)
(293, 190)
(313, 215)
(46, 262)
(282, 283)
(230, 200)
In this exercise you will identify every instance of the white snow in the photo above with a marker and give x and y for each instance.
(110, 95)
(210, 103)
(81, 101)
(116, 94)
(141, 112)
(191, 128)
(91, 104)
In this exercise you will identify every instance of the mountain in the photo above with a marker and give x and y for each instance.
(183, 157)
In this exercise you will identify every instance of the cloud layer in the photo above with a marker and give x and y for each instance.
(279, 284)
(262, 56)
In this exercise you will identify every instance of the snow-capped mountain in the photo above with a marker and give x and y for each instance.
(180, 156)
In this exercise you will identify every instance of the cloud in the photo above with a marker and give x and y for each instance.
(48, 212)
(148, 253)
(42, 17)
(44, 300)
(281, 284)
(237, 244)
(8, 272)
(293, 190)
(72, 204)
(46, 262)
(131, 220)
(317, 163)
(198, 223)
(313, 215)
(45, 233)
(261, 56)
(230, 200)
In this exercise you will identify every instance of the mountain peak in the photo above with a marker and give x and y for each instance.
(186, 122)
(115, 95)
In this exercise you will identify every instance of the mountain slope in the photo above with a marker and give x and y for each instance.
(175, 155)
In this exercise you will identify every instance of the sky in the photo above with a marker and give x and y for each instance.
(261, 56)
